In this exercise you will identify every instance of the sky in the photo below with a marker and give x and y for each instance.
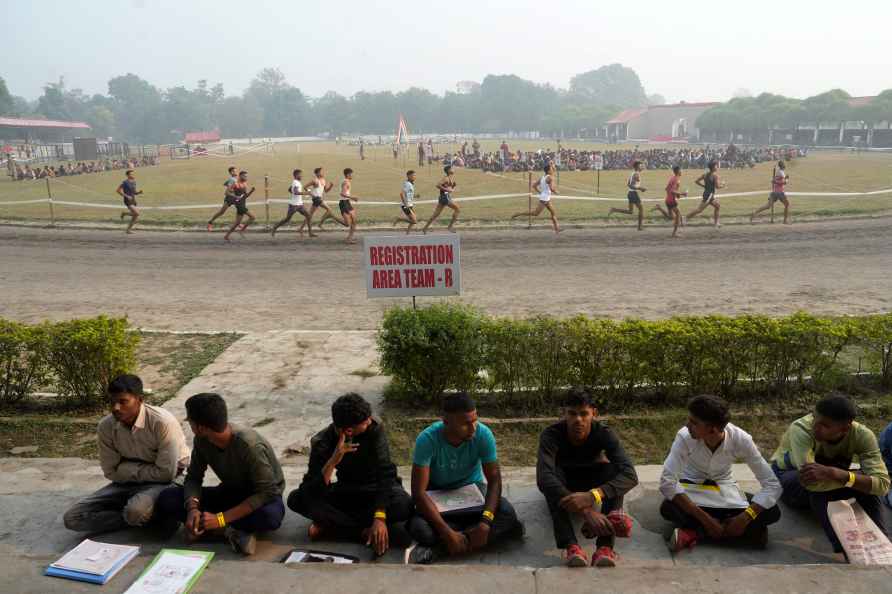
(681, 49)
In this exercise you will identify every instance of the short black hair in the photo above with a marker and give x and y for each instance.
(676, 169)
(837, 407)
(125, 383)
(635, 164)
(349, 410)
(410, 172)
(447, 169)
(317, 170)
(710, 409)
(128, 172)
(782, 164)
(347, 171)
(231, 169)
(712, 164)
(208, 410)
(460, 402)
(296, 172)
(578, 396)
(243, 172)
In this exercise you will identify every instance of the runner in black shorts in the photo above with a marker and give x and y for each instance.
(295, 203)
(226, 202)
(634, 185)
(239, 193)
(127, 191)
(779, 182)
(407, 202)
(318, 188)
(345, 204)
(446, 186)
(710, 182)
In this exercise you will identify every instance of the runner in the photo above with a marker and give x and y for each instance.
(345, 204)
(226, 202)
(672, 195)
(295, 203)
(407, 198)
(127, 191)
(238, 193)
(544, 186)
(635, 187)
(446, 187)
(710, 182)
(779, 181)
(318, 188)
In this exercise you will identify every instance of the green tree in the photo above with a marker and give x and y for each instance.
(6, 102)
(609, 85)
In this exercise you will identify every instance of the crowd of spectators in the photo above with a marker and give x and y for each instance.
(729, 157)
(24, 172)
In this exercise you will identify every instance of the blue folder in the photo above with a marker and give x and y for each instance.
(91, 578)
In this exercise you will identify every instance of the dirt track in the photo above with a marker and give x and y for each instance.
(192, 281)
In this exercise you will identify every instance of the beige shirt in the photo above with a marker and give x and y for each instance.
(154, 450)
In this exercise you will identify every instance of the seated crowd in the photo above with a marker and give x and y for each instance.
(353, 491)
(24, 172)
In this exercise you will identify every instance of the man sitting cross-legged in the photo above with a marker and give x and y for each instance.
(142, 450)
(703, 499)
(813, 463)
(583, 469)
(368, 498)
(249, 497)
(450, 454)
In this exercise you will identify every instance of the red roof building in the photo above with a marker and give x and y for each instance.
(36, 130)
(202, 137)
(658, 123)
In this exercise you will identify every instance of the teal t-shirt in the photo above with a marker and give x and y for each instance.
(454, 467)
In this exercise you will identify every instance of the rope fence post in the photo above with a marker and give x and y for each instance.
(49, 194)
(266, 194)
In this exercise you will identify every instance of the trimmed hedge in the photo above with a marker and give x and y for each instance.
(75, 358)
(451, 347)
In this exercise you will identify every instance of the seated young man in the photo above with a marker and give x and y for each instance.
(142, 450)
(703, 499)
(249, 497)
(367, 498)
(814, 458)
(450, 454)
(886, 452)
(583, 469)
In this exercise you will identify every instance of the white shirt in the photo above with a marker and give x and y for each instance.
(544, 189)
(409, 191)
(318, 191)
(692, 459)
(296, 199)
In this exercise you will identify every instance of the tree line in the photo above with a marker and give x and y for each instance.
(776, 111)
(137, 111)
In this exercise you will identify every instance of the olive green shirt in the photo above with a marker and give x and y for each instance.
(798, 447)
(248, 465)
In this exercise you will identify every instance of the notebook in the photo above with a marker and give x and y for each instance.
(319, 557)
(172, 571)
(464, 499)
(93, 562)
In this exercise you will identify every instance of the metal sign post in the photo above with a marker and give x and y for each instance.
(598, 164)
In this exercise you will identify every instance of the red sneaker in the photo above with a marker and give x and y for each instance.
(604, 557)
(575, 556)
(682, 538)
(210, 227)
(622, 524)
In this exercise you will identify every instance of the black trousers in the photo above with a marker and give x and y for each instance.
(505, 520)
(797, 496)
(579, 480)
(671, 512)
(346, 513)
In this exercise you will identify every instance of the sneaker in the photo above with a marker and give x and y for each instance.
(622, 524)
(241, 542)
(604, 557)
(682, 538)
(419, 555)
(575, 556)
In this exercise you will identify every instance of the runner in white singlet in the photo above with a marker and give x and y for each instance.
(634, 186)
(545, 189)
(318, 188)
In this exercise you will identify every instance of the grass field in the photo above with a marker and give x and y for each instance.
(379, 177)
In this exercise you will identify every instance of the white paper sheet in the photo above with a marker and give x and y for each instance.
(300, 557)
(722, 496)
(170, 574)
(93, 557)
(457, 499)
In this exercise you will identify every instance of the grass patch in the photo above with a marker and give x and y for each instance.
(55, 437)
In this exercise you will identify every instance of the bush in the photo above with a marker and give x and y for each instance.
(85, 355)
(431, 350)
(23, 360)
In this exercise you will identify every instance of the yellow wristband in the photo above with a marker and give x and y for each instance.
(597, 495)
(221, 520)
(851, 482)
(380, 515)
(751, 512)
(489, 515)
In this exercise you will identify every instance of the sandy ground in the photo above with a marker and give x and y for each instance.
(193, 281)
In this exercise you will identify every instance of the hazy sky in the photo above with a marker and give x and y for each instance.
(682, 50)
